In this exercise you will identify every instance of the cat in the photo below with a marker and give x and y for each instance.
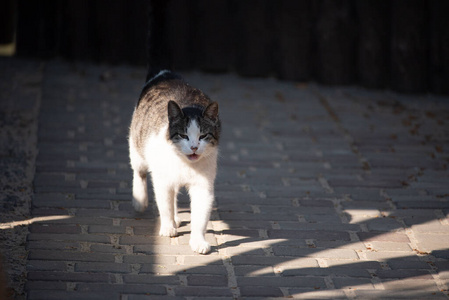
(174, 136)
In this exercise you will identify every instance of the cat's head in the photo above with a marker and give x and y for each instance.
(195, 130)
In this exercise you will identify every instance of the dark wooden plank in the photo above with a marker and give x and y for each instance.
(180, 30)
(373, 42)
(39, 28)
(439, 47)
(159, 56)
(136, 28)
(212, 35)
(76, 40)
(7, 21)
(409, 46)
(336, 42)
(293, 25)
(254, 35)
(110, 38)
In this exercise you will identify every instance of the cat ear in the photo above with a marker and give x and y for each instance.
(174, 111)
(211, 111)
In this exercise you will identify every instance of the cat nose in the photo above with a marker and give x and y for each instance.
(194, 148)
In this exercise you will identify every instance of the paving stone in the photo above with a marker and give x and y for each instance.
(195, 260)
(260, 291)
(380, 204)
(98, 267)
(315, 234)
(317, 253)
(443, 269)
(441, 253)
(417, 293)
(317, 294)
(107, 248)
(408, 264)
(143, 240)
(355, 264)
(59, 255)
(69, 237)
(425, 225)
(388, 246)
(423, 204)
(156, 297)
(241, 250)
(321, 218)
(318, 226)
(383, 237)
(150, 279)
(46, 285)
(44, 265)
(384, 224)
(253, 271)
(61, 245)
(331, 271)
(72, 219)
(122, 288)
(258, 217)
(106, 229)
(183, 269)
(46, 228)
(69, 276)
(274, 261)
(410, 284)
(291, 281)
(418, 274)
(43, 294)
(193, 291)
(385, 256)
(428, 242)
(203, 280)
(353, 283)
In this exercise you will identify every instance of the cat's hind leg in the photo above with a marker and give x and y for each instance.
(165, 196)
(140, 190)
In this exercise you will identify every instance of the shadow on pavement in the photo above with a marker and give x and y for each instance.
(321, 193)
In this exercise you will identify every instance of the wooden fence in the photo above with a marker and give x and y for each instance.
(398, 44)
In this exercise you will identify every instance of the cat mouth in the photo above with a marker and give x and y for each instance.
(193, 157)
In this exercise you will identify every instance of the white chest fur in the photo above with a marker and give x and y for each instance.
(171, 170)
(167, 164)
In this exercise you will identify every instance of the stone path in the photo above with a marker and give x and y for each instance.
(20, 92)
(321, 193)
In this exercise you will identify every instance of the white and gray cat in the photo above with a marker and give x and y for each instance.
(174, 135)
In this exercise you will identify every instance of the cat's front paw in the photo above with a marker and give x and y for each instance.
(177, 221)
(168, 231)
(199, 245)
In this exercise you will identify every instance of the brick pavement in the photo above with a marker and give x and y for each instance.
(321, 193)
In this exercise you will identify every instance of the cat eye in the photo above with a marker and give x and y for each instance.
(202, 137)
(183, 136)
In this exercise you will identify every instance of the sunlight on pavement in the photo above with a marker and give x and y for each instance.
(13, 224)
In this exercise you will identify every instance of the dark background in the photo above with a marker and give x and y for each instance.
(401, 45)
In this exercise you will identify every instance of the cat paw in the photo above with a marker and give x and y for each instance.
(139, 206)
(177, 221)
(200, 246)
(168, 231)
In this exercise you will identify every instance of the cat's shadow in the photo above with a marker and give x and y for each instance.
(184, 229)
